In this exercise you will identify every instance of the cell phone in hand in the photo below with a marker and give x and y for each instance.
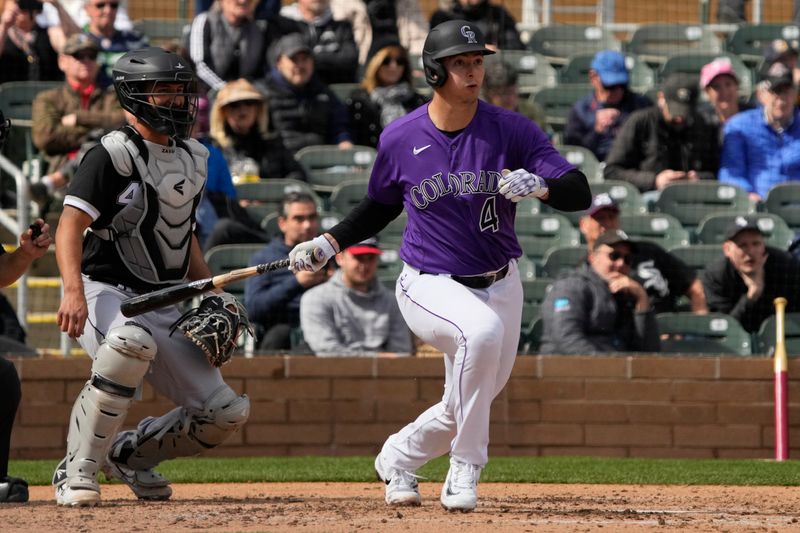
(36, 230)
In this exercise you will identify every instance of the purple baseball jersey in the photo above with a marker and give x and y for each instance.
(457, 221)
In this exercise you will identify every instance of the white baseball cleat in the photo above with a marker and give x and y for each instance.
(85, 493)
(65, 495)
(146, 484)
(401, 486)
(460, 490)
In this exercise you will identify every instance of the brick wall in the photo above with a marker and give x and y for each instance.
(602, 406)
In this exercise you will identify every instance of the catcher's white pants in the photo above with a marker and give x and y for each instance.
(179, 371)
(478, 331)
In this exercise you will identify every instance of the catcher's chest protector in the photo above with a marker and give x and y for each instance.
(153, 231)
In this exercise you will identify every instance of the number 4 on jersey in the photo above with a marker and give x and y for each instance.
(489, 218)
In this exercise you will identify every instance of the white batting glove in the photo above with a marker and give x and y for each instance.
(520, 184)
(311, 255)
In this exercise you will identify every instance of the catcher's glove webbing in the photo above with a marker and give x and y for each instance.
(215, 326)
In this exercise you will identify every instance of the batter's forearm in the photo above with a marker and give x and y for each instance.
(570, 192)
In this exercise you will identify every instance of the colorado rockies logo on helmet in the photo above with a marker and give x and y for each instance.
(469, 34)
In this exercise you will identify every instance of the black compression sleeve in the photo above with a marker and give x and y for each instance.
(365, 220)
(570, 192)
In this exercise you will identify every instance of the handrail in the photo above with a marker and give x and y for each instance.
(21, 222)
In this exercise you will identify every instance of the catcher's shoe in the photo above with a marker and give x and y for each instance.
(13, 490)
(401, 486)
(460, 489)
(146, 484)
(83, 492)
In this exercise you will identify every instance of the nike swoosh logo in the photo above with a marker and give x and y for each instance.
(418, 151)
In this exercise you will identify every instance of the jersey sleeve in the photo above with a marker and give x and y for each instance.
(93, 186)
(384, 182)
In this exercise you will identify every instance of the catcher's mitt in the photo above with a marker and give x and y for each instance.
(215, 326)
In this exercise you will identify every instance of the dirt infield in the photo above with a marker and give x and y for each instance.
(345, 507)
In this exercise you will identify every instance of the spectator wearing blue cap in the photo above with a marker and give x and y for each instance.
(595, 120)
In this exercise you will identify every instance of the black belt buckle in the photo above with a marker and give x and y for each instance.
(481, 282)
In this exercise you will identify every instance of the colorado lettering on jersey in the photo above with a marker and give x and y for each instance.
(464, 182)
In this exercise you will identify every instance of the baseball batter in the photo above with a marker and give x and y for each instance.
(460, 289)
(137, 193)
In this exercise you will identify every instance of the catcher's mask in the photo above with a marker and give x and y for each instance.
(140, 80)
(450, 38)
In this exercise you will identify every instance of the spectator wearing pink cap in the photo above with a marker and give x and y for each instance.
(721, 85)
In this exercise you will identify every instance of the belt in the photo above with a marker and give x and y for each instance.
(477, 282)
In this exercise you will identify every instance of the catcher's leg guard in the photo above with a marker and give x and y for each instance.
(182, 433)
(99, 411)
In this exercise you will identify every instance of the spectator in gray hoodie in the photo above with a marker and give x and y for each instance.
(353, 314)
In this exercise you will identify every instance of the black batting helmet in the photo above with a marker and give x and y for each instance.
(450, 39)
(136, 75)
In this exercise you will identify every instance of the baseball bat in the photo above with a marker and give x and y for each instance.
(143, 303)
(781, 383)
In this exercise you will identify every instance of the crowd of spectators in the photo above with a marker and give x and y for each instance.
(265, 72)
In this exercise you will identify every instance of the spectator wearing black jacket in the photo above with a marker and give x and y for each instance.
(599, 307)
(301, 107)
(496, 23)
(25, 49)
(665, 143)
(332, 41)
(385, 94)
(228, 42)
(750, 276)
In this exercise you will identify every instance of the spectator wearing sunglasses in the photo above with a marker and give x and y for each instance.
(79, 111)
(595, 120)
(599, 307)
(25, 49)
(385, 94)
(111, 42)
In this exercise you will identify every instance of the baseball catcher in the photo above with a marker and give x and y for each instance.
(137, 193)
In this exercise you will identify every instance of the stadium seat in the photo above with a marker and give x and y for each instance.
(711, 229)
(561, 259)
(765, 337)
(643, 78)
(343, 90)
(784, 200)
(662, 229)
(531, 337)
(16, 100)
(625, 194)
(750, 40)
(533, 70)
(583, 159)
(537, 234)
(556, 102)
(534, 290)
(559, 42)
(690, 202)
(269, 193)
(393, 232)
(697, 256)
(390, 264)
(327, 165)
(527, 269)
(347, 195)
(227, 257)
(714, 333)
(692, 63)
(655, 42)
(162, 31)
